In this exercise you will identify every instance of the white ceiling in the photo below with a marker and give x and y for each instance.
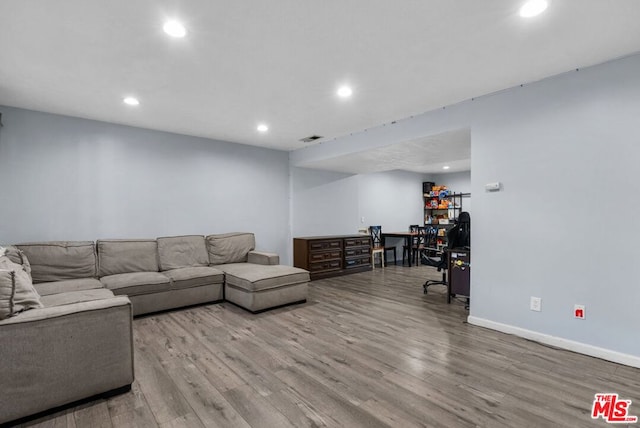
(425, 155)
(281, 61)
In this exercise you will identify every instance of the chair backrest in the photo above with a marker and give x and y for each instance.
(376, 235)
(413, 228)
(430, 237)
(460, 235)
(422, 236)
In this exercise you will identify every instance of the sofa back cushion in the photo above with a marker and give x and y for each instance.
(230, 247)
(16, 255)
(127, 255)
(60, 260)
(16, 290)
(176, 252)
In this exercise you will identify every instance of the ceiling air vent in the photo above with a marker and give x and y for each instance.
(310, 138)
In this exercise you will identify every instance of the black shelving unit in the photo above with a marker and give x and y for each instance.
(442, 219)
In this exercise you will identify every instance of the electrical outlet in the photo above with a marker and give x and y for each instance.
(579, 312)
(362, 220)
(536, 304)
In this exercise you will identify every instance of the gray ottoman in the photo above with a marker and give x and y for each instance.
(257, 287)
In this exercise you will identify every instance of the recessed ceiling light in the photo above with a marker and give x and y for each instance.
(446, 167)
(262, 127)
(345, 92)
(174, 29)
(533, 8)
(131, 101)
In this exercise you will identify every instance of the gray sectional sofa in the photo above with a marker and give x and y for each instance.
(77, 342)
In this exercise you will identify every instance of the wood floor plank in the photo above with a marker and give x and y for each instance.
(131, 410)
(255, 409)
(188, 420)
(95, 414)
(165, 400)
(366, 350)
(335, 408)
(299, 413)
(207, 402)
(62, 419)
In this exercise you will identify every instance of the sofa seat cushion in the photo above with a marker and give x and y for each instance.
(188, 277)
(136, 283)
(76, 297)
(48, 288)
(253, 277)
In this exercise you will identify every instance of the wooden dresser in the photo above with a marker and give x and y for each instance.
(325, 256)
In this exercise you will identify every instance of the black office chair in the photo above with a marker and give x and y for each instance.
(459, 236)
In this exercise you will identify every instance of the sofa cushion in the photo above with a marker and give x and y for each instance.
(136, 283)
(16, 255)
(7, 293)
(117, 256)
(260, 277)
(48, 288)
(60, 260)
(263, 258)
(16, 290)
(76, 297)
(230, 247)
(182, 251)
(194, 276)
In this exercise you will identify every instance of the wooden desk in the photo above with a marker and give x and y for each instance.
(405, 235)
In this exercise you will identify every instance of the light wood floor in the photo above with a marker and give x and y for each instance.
(367, 350)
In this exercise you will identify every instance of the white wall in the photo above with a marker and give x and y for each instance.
(392, 199)
(334, 203)
(323, 203)
(563, 228)
(66, 179)
(326, 203)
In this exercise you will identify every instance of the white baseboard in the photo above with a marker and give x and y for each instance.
(581, 348)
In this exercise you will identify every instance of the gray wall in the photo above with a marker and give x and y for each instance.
(66, 178)
(563, 228)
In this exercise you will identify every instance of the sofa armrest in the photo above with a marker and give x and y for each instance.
(263, 258)
(57, 355)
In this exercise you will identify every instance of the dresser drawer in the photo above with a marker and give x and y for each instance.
(356, 242)
(318, 256)
(356, 251)
(357, 262)
(326, 266)
(325, 245)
